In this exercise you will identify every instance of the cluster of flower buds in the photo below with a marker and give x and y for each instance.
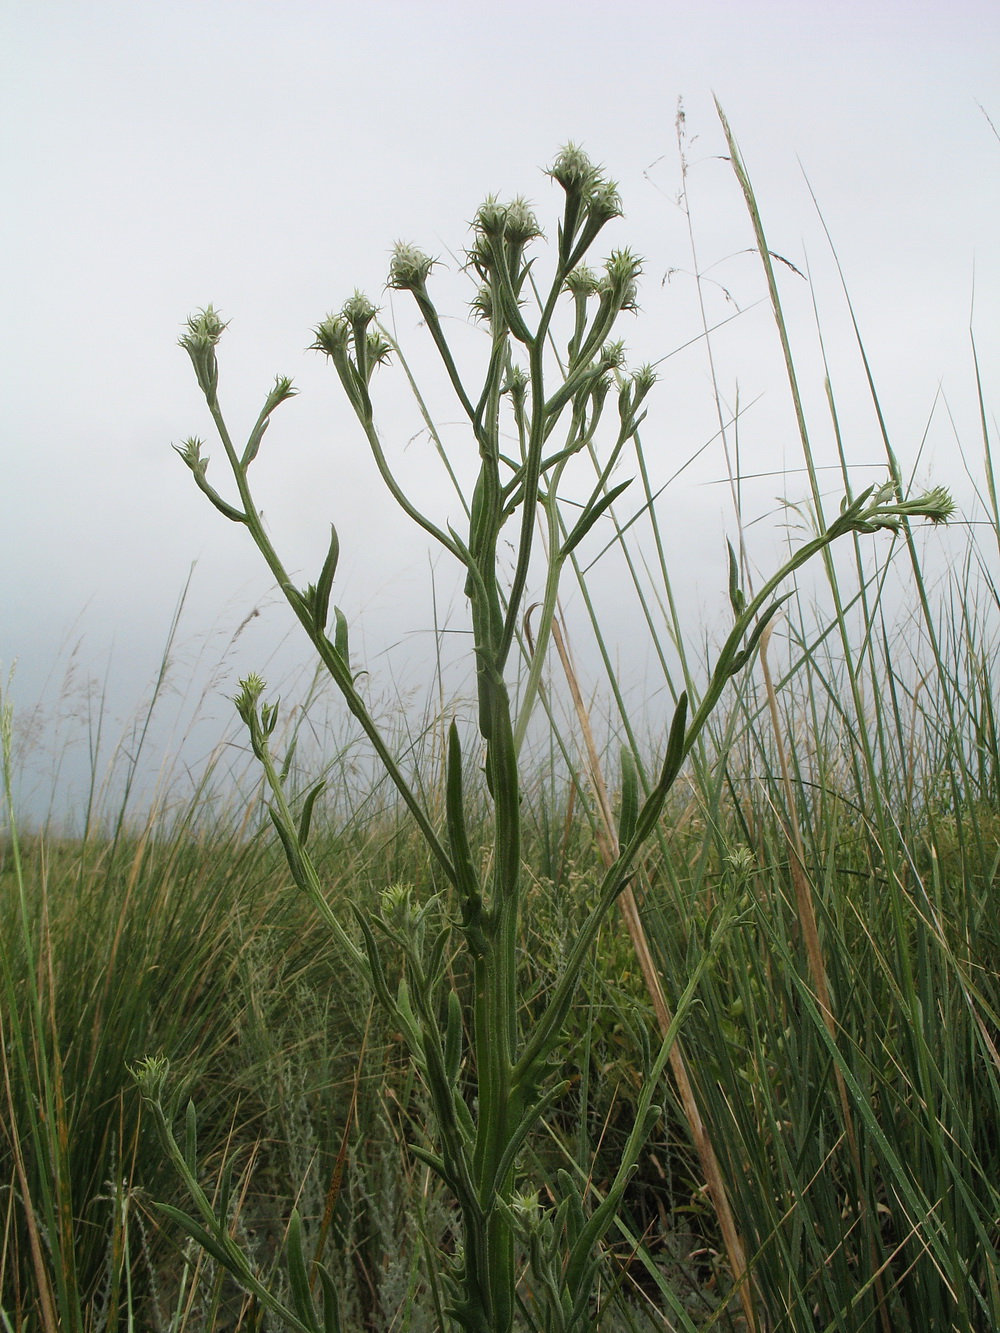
(592, 200)
(354, 347)
(204, 329)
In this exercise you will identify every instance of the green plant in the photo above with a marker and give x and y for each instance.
(489, 1083)
(844, 1050)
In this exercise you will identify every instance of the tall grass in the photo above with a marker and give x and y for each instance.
(845, 1045)
(837, 1065)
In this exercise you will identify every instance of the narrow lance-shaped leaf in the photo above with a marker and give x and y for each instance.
(331, 1302)
(197, 1233)
(630, 798)
(191, 1138)
(737, 600)
(305, 819)
(742, 658)
(590, 517)
(453, 1038)
(570, 1209)
(674, 758)
(436, 1164)
(340, 637)
(298, 1278)
(321, 604)
(458, 838)
(379, 981)
(225, 1187)
(291, 849)
(286, 766)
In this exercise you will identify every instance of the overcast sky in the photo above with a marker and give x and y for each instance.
(264, 156)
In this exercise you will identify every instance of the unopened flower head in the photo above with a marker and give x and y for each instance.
(574, 170)
(190, 451)
(604, 202)
(409, 267)
(204, 329)
(151, 1075)
(251, 688)
(282, 391)
(937, 505)
(582, 281)
(621, 270)
(378, 350)
(517, 386)
(741, 863)
(612, 356)
(490, 218)
(358, 309)
(483, 304)
(526, 1208)
(520, 225)
(513, 223)
(644, 377)
(333, 336)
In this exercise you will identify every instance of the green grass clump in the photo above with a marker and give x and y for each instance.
(402, 1058)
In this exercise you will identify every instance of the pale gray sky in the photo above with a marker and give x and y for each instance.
(161, 154)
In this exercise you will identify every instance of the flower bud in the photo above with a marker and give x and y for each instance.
(482, 303)
(619, 282)
(574, 170)
(517, 387)
(333, 336)
(190, 451)
(358, 309)
(582, 281)
(644, 378)
(604, 202)
(204, 330)
(490, 218)
(251, 688)
(612, 356)
(520, 223)
(409, 267)
(151, 1074)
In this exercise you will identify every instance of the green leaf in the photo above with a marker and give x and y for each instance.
(321, 605)
(674, 758)
(191, 1138)
(298, 1277)
(676, 749)
(435, 1163)
(291, 849)
(458, 839)
(742, 658)
(453, 1038)
(286, 766)
(198, 1233)
(378, 976)
(340, 637)
(570, 1207)
(629, 814)
(331, 1302)
(589, 517)
(737, 600)
(225, 1187)
(305, 819)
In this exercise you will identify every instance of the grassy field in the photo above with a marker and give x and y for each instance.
(862, 1163)
(818, 900)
